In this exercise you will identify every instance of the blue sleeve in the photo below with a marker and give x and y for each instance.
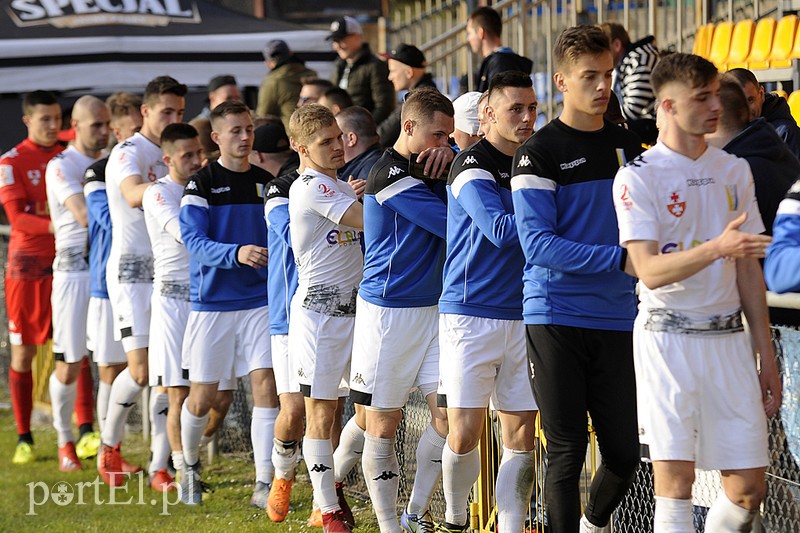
(278, 219)
(97, 206)
(782, 265)
(422, 207)
(194, 231)
(537, 217)
(481, 201)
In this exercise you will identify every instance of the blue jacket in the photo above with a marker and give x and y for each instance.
(282, 283)
(782, 265)
(99, 225)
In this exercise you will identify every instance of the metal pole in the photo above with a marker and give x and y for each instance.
(679, 25)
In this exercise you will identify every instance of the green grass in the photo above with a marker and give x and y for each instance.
(226, 509)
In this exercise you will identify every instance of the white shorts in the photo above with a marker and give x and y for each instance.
(70, 305)
(321, 346)
(100, 340)
(167, 328)
(285, 374)
(699, 399)
(483, 359)
(394, 350)
(131, 305)
(221, 345)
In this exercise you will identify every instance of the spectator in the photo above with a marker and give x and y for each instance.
(281, 86)
(271, 150)
(361, 147)
(772, 107)
(634, 63)
(203, 127)
(484, 35)
(220, 89)
(312, 91)
(359, 71)
(406, 71)
(336, 100)
(468, 126)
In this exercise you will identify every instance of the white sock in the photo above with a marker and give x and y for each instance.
(459, 473)
(429, 471)
(177, 461)
(673, 516)
(513, 489)
(284, 458)
(382, 475)
(262, 433)
(63, 397)
(191, 431)
(159, 443)
(206, 439)
(103, 392)
(124, 392)
(319, 459)
(588, 527)
(727, 517)
(348, 453)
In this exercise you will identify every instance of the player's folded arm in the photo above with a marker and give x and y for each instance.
(421, 206)
(481, 200)
(194, 231)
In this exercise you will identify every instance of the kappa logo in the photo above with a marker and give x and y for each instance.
(273, 190)
(358, 378)
(469, 160)
(385, 476)
(504, 175)
(524, 161)
(394, 171)
(191, 186)
(320, 468)
(676, 208)
(90, 174)
(300, 373)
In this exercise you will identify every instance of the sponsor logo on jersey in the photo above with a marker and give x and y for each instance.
(572, 164)
(191, 186)
(273, 190)
(343, 238)
(524, 161)
(733, 197)
(394, 171)
(679, 246)
(220, 190)
(699, 182)
(6, 175)
(83, 13)
(676, 208)
(469, 160)
(625, 197)
(504, 175)
(326, 191)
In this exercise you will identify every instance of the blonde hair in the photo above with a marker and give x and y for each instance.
(306, 121)
(122, 104)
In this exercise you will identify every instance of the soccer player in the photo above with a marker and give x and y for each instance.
(183, 155)
(132, 166)
(482, 334)
(126, 119)
(578, 299)
(222, 225)
(396, 345)
(31, 251)
(325, 222)
(71, 279)
(690, 223)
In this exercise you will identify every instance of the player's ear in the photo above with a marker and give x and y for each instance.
(408, 127)
(560, 82)
(26, 120)
(166, 159)
(215, 137)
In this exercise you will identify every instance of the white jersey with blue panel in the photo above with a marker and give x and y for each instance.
(483, 270)
(282, 282)
(405, 224)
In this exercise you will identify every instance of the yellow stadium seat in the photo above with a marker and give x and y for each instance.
(783, 94)
(781, 55)
(702, 40)
(794, 105)
(741, 43)
(762, 44)
(721, 43)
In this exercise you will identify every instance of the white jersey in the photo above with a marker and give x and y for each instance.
(137, 155)
(64, 178)
(162, 204)
(680, 203)
(328, 255)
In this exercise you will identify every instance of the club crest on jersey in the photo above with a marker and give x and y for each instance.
(259, 190)
(625, 197)
(469, 160)
(394, 171)
(733, 197)
(524, 161)
(676, 208)
(35, 176)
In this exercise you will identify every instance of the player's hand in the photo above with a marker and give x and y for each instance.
(734, 244)
(252, 256)
(358, 185)
(437, 161)
(770, 382)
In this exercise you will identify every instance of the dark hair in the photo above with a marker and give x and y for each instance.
(358, 120)
(688, 69)
(422, 103)
(319, 82)
(735, 111)
(163, 85)
(179, 131)
(578, 41)
(35, 98)
(228, 107)
(488, 19)
(614, 30)
(743, 76)
(338, 96)
(509, 78)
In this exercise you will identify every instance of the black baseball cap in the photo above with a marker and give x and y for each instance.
(408, 55)
(270, 138)
(342, 27)
(220, 81)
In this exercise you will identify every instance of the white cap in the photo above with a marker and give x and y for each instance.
(466, 108)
